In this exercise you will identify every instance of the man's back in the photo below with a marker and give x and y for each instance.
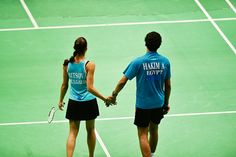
(151, 70)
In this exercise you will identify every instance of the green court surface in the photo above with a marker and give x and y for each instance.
(202, 120)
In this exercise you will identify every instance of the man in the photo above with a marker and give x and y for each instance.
(152, 72)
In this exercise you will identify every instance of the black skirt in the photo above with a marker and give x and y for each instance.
(82, 110)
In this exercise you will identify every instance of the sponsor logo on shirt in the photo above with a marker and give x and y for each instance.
(77, 78)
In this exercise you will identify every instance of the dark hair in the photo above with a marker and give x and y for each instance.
(80, 47)
(153, 41)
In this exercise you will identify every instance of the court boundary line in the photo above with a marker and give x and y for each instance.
(231, 5)
(114, 24)
(215, 26)
(122, 118)
(98, 137)
(32, 19)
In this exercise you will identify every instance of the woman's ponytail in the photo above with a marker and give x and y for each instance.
(66, 62)
(80, 47)
(71, 60)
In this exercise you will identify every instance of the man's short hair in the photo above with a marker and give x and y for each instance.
(153, 41)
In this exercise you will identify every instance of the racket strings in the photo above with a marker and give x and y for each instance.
(51, 114)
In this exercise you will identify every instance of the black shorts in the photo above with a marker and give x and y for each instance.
(82, 110)
(144, 116)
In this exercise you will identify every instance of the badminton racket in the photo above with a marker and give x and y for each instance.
(52, 113)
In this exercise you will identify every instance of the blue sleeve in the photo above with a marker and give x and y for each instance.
(131, 70)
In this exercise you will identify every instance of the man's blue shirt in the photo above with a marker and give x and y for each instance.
(151, 70)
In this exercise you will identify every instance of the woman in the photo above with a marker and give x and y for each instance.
(82, 103)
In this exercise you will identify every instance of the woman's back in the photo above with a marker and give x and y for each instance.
(78, 85)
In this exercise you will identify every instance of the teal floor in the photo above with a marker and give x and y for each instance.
(203, 77)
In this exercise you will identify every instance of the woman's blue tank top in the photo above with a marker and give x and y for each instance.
(78, 84)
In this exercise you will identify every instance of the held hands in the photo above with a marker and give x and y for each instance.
(111, 100)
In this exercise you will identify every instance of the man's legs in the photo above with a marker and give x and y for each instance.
(91, 136)
(153, 138)
(71, 141)
(143, 141)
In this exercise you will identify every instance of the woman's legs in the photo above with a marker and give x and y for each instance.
(91, 136)
(71, 141)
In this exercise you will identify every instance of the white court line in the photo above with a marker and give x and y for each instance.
(29, 14)
(122, 118)
(23, 123)
(231, 5)
(200, 114)
(216, 26)
(102, 144)
(224, 19)
(115, 24)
